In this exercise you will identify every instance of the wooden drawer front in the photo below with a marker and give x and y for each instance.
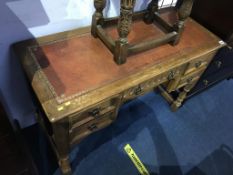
(208, 81)
(171, 75)
(95, 111)
(202, 61)
(150, 84)
(223, 59)
(139, 90)
(191, 77)
(77, 132)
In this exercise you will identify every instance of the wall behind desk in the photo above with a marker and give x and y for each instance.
(24, 19)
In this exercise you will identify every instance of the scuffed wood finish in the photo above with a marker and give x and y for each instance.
(81, 89)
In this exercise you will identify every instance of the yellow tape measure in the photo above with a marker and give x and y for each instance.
(136, 161)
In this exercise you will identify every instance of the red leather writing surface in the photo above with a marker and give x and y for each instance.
(83, 63)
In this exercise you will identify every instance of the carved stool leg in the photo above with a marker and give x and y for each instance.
(183, 13)
(61, 139)
(98, 15)
(151, 9)
(182, 95)
(124, 26)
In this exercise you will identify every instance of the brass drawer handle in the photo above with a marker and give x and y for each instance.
(171, 75)
(218, 64)
(198, 64)
(189, 80)
(138, 90)
(92, 127)
(206, 82)
(94, 112)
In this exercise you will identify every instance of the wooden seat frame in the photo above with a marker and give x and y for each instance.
(121, 48)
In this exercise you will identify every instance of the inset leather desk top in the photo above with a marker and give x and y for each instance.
(72, 66)
(83, 63)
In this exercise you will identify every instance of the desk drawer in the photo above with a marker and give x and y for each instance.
(200, 62)
(151, 83)
(191, 77)
(78, 132)
(139, 90)
(223, 59)
(207, 81)
(95, 111)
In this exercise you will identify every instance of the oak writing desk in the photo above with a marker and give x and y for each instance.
(80, 88)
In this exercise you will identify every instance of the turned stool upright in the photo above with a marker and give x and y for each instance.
(121, 48)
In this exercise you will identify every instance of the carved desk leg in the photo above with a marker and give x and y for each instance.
(98, 15)
(182, 95)
(61, 139)
(151, 9)
(183, 13)
(124, 27)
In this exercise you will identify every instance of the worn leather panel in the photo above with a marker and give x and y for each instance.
(83, 63)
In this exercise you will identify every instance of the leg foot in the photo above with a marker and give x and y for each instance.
(182, 95)
(179, 28)
(175, 106)
(65, 166)
(184, 12)
(61, 141)
(124, 27)
(121, 51)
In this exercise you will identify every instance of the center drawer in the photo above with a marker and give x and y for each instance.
(148, 85)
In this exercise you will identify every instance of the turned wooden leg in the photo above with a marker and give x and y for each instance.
(61, 140)
(151, 9)
(65, 166)
(182, 95)
(124, 27)
(184, 12)
(97, 16)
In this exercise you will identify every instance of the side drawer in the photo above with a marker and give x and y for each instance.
(223, 58)
(95, 111)
(207, 81)
(78, 132)
(191, 77)
(202, 61)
